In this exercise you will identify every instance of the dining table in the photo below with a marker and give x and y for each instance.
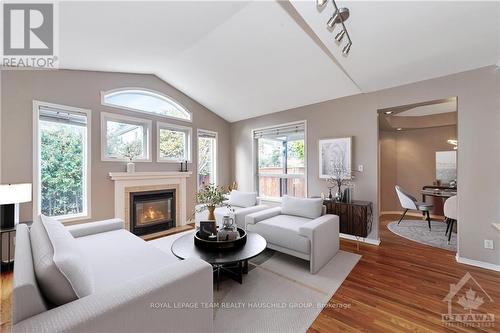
(439, 194)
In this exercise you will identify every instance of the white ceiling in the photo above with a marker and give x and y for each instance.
(244, 59)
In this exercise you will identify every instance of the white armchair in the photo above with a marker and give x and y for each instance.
(299, 228)
(242, 204)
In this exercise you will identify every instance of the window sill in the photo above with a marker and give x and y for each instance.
(174, 162)
(105, 159)
(72, 218)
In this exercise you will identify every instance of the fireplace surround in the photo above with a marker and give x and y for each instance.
(126, 183)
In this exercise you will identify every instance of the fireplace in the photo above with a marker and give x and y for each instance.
(152, 211)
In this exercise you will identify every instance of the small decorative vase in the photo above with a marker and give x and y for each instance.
(211, 215)
(130, 167)
(338, 195)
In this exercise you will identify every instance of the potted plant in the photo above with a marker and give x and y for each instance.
(211, 196)
(131, 150)
(339, 176)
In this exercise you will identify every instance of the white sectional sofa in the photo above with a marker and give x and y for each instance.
(98, 277)
(242, 204)
(299, 228)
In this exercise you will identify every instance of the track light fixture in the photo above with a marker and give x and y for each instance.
(333, 20)
(340, 15)
(321, 3)
(339, 36)
(347, 48)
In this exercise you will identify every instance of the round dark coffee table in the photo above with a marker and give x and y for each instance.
(232, 263)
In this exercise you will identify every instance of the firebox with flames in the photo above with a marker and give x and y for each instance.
(150, 215)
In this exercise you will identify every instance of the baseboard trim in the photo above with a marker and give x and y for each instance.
(477, 263)
(361, 239)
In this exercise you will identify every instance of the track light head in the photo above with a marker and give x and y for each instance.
(321, 3)
(333, 20)
(347, 48)
(340, 35)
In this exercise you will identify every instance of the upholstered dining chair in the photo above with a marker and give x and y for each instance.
(451, 214)
(408, 202)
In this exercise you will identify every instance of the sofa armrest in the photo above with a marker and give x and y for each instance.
(176, 298)
(250, 210)
(262, 215)
(241, 214)
(323, 234)
(92, 228)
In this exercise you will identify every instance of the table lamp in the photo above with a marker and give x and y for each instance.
(11, 196)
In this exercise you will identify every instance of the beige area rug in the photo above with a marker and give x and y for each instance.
(418, 231)
(278, 294)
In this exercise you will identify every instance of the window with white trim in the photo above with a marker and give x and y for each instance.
(61, 161)
(173, 143)
(125, 138)
(207, 158)
(146, 101)
(281, 161)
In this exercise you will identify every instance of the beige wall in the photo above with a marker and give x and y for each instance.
(478, 94)
(82, 89)
(408, 159)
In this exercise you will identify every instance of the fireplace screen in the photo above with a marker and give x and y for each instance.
(152, 211)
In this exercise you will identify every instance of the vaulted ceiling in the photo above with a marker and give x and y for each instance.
(242, 59)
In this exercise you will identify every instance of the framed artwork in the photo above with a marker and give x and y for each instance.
(335, 152)
(207, 228)
(446, 166)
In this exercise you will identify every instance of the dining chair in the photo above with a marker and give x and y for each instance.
(408, 202)
(451, 215)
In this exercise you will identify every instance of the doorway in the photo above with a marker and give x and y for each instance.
(418, 150)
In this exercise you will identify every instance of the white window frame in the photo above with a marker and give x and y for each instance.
(86, 214)
(105, 116)
(175, 127)
(216, 169)
(255, 159)
(153, 92)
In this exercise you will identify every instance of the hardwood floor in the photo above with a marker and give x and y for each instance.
(399, 287)
(396, 287)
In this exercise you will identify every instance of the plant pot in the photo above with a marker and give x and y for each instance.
(211, 213)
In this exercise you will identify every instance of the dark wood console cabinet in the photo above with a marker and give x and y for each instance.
(356, 217)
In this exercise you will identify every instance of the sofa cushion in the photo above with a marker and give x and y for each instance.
(117, 256)
(61, 271)
(242, 199)
(283, 230)
(303, 207)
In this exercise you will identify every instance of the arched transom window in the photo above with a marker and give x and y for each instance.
(147, 101)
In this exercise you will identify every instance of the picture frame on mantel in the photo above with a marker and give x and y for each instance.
(332, 151)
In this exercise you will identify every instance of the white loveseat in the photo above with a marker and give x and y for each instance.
(99, 277)
(242, 203)
(299, 228)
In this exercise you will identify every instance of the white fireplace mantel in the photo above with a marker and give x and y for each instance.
(126, 180)
(148, 175)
